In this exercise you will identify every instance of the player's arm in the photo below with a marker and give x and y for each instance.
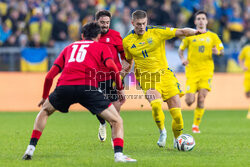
(55, 69)
(181, 50)
(218, 48)
(119, 46)
(180, 32)
(127, 63)
(241, 59)
(110, 64)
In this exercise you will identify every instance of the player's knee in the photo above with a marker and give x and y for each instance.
(189, 101)
(201, 98)
(248, 94)
(116, 121)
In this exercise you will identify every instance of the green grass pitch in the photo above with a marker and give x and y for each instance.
(71, 140)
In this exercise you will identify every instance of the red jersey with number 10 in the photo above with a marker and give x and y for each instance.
(80, 62)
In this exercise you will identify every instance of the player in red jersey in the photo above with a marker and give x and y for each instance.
(113, 40)
(79, 63)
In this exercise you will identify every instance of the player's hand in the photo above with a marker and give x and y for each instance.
(197, 32)
(121, 96)
(215, 51)
(41, 102)
(245, 68)
(184, 62)
(125, 66)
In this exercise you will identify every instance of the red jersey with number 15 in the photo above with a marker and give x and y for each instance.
(80, 62)
(113, 40)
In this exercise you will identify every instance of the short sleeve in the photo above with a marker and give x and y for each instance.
(184, 44)
(218, 43)
(164, 33)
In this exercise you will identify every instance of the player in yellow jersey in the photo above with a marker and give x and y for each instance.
(244, 60)
(199, 65)
(146, 46)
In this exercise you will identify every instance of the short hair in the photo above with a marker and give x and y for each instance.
(102, 13)
(139, 14)
(91, 30)
(200, 12)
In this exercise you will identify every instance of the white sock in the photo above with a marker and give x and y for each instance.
(194, 126)
(163, 131)
(118, 154)
(30, 150)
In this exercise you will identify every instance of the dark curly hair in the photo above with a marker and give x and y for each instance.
(91, 30)
(102, 13)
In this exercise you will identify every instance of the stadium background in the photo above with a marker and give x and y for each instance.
(33, 32)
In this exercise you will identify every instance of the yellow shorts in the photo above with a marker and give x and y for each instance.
(247, 81)
(198, 81)
(167, 85)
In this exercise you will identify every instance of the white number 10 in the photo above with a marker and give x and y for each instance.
(80, 54)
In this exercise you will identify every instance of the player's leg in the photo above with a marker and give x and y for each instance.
(113, 117)
(110, 92)
(190, 98)
(102, 135)
(96, 103)
(174, 106)
(171, 94)
(154, 98)
(199, 111)
(39, 125)
(248, 96)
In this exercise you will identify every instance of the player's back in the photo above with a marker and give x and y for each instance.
(80, 62)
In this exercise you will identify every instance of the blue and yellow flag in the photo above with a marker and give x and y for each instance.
(34, 60)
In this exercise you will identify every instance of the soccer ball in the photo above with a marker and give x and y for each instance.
(185, 142)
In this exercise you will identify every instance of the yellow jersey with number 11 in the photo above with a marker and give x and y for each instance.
(148, 50)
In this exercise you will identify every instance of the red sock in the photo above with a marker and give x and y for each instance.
(35, 137)
(118, 144)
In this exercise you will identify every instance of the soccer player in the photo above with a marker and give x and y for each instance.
(79, 63)
(244, 60)
(146, 46)
(199, 65)
(113, 40)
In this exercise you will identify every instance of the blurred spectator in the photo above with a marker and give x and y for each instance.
(60, 28)
(5, 31)
(55, 23)
(11, 41)
(74, 26)
(38, 25)
(23, 40)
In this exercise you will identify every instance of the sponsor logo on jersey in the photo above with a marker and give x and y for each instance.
(107, 39)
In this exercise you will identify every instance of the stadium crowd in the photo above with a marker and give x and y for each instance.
(56, 23)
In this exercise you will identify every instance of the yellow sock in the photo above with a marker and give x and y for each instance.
(177, 121)
(157, 113)
(198, 113)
